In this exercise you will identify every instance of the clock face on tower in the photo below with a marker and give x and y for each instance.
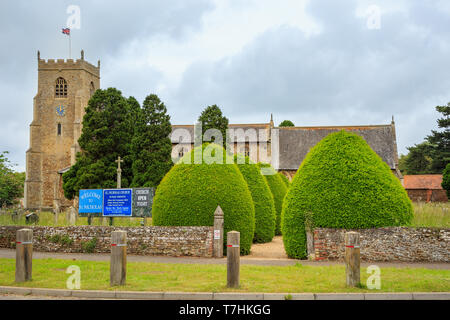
(60, 111)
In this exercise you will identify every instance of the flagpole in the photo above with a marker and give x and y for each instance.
(70, 46)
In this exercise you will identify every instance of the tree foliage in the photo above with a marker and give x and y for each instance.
(285, 179)
(189, 194)
(432, 155)
(212, 118)
(440, 141)
(278, 189)
(11, 183)
(446, 180)
(342, 183)
(108, 128)
(286, 123)
(265, 212)
(151, 147)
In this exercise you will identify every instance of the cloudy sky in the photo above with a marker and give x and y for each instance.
(313, 62)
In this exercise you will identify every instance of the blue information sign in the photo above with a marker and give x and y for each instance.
(90, 201)
(117, 202)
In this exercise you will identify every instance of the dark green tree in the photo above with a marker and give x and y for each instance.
(107, 132)
(11, 183)
(418, 160)
(287, 123)
(446, 180)
(212, 118)
(151, 147)
(440, 141)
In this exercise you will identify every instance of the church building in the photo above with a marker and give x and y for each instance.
(64, 89)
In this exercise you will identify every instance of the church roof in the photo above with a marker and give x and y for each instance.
(295, 142)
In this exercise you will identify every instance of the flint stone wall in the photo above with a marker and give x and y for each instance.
(386, 244)
(152, 240)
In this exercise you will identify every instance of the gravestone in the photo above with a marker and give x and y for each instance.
(31, 218)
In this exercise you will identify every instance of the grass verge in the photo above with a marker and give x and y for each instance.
(143, 276)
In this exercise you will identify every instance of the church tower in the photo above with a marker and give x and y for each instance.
(64, 89)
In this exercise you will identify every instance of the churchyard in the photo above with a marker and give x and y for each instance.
(346, 229)
(429, 214)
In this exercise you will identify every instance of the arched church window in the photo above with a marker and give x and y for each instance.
(61, 88)
(59, 129)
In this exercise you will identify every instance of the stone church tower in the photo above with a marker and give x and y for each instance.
(64, 89)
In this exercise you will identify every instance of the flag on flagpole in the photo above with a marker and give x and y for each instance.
(66, 31)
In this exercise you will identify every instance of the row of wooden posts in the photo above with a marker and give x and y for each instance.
(118, 262)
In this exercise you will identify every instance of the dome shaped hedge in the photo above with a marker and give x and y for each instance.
(189, 194)
(265, 213)
(278, 189)
(342, 183)
(285, 179)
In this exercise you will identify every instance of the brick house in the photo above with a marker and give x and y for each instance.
(425, 187)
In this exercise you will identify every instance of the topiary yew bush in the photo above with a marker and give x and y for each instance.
(189, 194)
(278, 189)
(265, 212)
(342, 183)
(285, 179)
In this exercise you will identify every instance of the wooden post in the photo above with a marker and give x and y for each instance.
(233, 259)
(218, 233)
(352, 258)
(118, 265)
(24, 254)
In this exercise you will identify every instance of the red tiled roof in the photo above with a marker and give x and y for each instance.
(422, 181)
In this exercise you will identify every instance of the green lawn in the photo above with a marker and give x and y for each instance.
(141, 276)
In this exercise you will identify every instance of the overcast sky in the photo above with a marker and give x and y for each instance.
(313, 62)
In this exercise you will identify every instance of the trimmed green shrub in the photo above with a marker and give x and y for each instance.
(342, 183)
(189, 194)
(278, 189)
(285, 180)
(265, 213)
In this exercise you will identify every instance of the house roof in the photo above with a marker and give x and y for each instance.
(295, 142)
(422, 181)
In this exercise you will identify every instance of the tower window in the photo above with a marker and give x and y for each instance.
(59, 129)
(181, 153)
(61, 88)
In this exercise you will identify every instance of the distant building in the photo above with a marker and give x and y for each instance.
(293, 143)
(425, 187)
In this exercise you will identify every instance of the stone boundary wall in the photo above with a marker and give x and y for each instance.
(386, 244)
(152, 240)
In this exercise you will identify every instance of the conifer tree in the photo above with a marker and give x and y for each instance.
(151, 146)
(106, 135)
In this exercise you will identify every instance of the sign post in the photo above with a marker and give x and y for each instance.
(117, 202)
(90, 203)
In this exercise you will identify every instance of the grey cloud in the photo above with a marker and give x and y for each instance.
(106, 27)
(346, 75)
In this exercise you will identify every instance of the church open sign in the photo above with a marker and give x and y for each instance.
(117, 202)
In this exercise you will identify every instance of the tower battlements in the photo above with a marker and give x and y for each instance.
(68, 64)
